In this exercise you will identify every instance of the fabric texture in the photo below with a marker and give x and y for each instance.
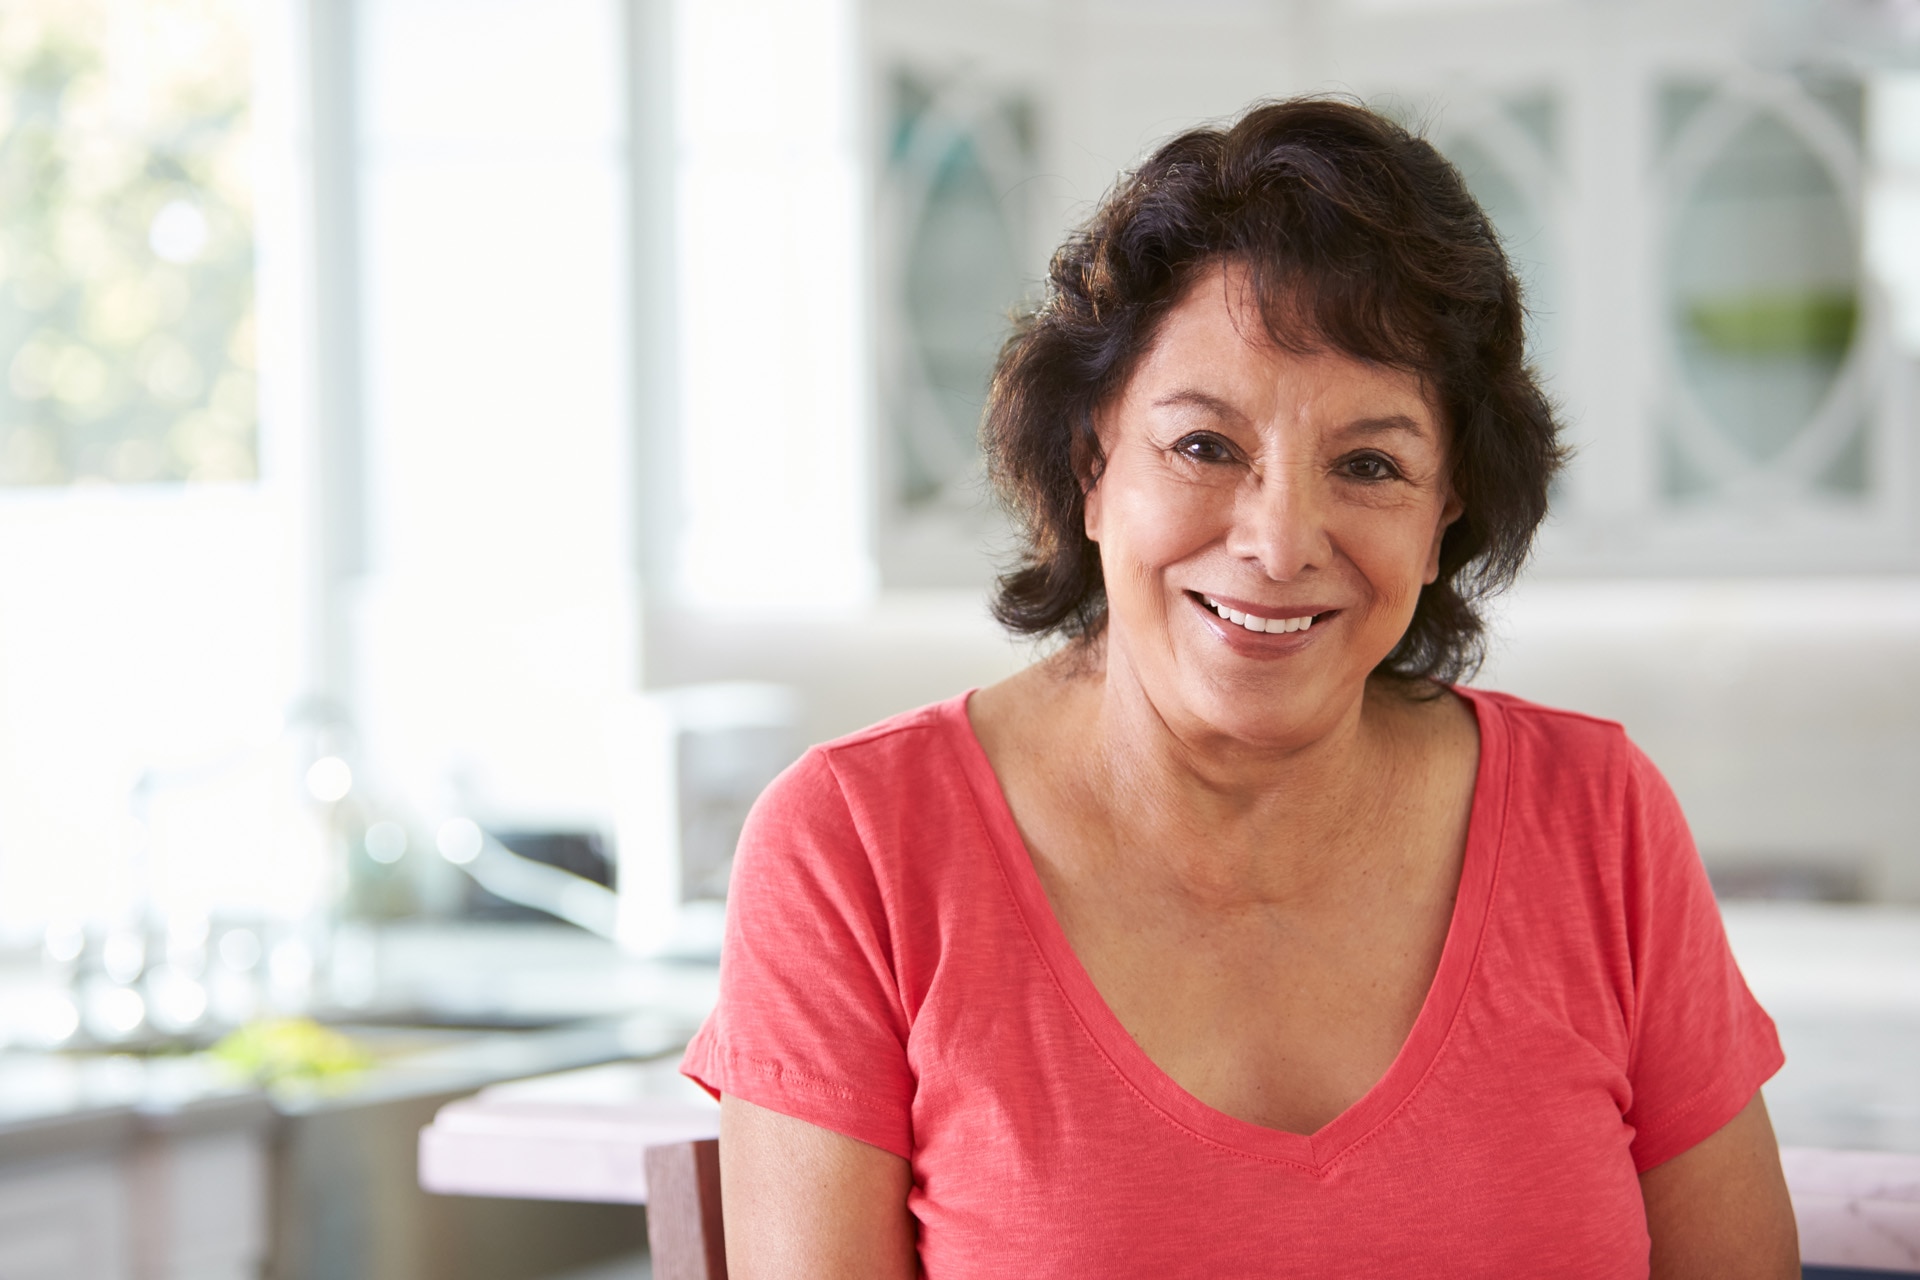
(892, 971)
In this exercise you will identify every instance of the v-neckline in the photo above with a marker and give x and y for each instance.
(1319, 1151)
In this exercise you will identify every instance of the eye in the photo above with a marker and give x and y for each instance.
(1368, 466)
(1204, 446)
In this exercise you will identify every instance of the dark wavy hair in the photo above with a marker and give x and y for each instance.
(1357, 236)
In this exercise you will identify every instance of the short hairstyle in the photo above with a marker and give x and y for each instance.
(1356, 236)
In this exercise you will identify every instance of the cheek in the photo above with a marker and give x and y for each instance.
(1150, 523)
(1394, 556)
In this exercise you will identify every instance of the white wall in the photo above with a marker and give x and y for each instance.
(1786, 713)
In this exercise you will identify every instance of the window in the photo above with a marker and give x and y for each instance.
(126, 243)
(149, 605)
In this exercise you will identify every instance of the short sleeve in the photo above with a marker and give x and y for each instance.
(809, 1022)
(1701, 1044)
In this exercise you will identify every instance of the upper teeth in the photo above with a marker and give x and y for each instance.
(1254, 622)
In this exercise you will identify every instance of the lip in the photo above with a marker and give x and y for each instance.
(1260, 644)
(1260, 610)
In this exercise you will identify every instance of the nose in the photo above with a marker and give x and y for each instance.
(1279, 522)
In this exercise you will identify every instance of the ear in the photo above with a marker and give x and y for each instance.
(1450, 511)
(1086, 471)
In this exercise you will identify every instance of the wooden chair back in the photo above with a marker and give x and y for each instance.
(684, 1231)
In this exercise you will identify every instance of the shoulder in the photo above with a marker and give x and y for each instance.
(1570, 773)
(865, 790)
(903, 735)
(1577, 784)
(1555, 747)
(1539, 723)
(881, 757)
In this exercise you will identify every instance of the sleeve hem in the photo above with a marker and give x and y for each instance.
(1680, 1128)
(799, 1094)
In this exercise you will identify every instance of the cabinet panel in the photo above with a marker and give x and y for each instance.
(63, 1221)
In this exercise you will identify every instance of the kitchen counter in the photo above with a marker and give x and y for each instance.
(494, 1005)
(109, 1159)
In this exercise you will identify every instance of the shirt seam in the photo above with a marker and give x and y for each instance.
(1708, 1093)
(781, 1073)
(892, 915)
(1639, 872)
(1508, 703)
(890, 909)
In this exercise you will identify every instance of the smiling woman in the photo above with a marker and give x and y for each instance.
(1230, 470)
(1332, 250)
(1234, 939)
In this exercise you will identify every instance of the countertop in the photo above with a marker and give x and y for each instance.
(1842, 982)
(441, 1009)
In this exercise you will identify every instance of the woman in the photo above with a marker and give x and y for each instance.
(1233, 939)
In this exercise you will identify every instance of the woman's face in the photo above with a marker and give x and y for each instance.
(1266, 521)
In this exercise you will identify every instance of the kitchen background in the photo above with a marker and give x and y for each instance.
(449, 443)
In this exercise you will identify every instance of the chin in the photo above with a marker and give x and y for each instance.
(1262, 708)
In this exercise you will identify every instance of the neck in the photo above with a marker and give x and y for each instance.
(1227, 820)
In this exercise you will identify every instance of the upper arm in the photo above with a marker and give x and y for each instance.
(806, 1203)
(1720, 1208)
(1700, 1045)
(811, 1021)
(807, 1046)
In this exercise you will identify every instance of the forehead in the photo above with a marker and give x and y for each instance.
(1212, 350)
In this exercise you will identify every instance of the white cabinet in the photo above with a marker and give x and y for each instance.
(64, 1219)
(160, 1205)
(1687, 207)
(197, 1206)
(1683, 185)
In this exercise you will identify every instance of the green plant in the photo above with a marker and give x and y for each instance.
(126, 242)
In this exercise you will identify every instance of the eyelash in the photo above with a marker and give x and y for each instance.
(1186, 447)
(1387, 470)
(1190, 447)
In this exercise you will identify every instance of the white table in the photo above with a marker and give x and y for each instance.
(578, 1135)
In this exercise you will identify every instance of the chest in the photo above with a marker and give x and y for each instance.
(1281, 1017)
(1284, 1008)
(1043, 1152)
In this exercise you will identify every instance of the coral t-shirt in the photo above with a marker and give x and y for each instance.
(893, 971)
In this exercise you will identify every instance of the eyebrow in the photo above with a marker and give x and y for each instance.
(1389, 424)
(1187, 397)
(1392, 423)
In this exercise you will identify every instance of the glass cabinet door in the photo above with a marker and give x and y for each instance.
(953, 175)
(1761, 291)
(953, 267)
(1507, 149)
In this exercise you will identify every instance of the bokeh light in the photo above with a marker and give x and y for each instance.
(460, 840)
(329, 779)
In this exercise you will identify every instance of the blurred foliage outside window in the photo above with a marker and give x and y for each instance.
(126, 243)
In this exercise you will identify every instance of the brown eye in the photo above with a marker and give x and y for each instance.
(1204, 448)
(1369, 466)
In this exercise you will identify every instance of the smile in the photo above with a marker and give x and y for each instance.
(1259, 623)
